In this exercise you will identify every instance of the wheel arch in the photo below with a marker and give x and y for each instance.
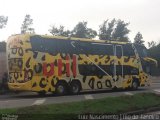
(62, 81)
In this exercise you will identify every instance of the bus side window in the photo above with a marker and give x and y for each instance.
(84, 48)
(99, 49)
(118, 51)
(63, 46)
(37, 43)
(69, 49)
(109, 50)
(72, 47)
(50, 46)
(128, 50)
(60, 46)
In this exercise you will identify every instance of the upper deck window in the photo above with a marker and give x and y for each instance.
(54, 46)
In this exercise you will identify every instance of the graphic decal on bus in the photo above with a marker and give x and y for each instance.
(42, 62)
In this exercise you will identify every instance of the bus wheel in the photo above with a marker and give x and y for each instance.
(61, 88)
(75, 87)
(135, 85)
(42, 93)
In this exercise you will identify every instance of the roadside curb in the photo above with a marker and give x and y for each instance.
(142, 111)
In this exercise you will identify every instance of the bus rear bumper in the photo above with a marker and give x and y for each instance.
(20, 86)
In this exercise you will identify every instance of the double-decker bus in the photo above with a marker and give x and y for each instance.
(43, 63)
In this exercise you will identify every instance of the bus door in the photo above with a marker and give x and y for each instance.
(118, 65)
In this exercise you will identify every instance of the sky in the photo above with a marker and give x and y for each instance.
(143, 15)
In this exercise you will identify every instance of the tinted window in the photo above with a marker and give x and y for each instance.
(93, 48)
(51, 45)
(85, 48)
(37, 43)
(89, 70)
(128, 50)
(64, 46)
(99, 49)
(54, 46)
(118, 51)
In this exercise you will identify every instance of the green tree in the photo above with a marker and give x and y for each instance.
(153, 52)
(59, 31)
(139, 39)
(3, 21)
(121, 31)
(151, 44)
(106, 29)
(27, 25)
(82, 31)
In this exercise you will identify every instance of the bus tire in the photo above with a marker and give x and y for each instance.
(75, 87)
(61, 88)
(135, 84)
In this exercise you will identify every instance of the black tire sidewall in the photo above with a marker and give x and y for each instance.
(133, 87)
(64, 88)
(74, 84)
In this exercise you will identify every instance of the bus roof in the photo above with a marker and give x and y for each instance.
(71, 38)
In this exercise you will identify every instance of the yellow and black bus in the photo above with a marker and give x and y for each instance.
(43, 63)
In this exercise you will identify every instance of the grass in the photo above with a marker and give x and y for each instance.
(109, 105)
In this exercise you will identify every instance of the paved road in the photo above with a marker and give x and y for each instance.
(29, 99)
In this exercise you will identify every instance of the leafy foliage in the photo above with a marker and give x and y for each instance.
(121, 31)
(106, 29)
(115, 30)
(3, 21)
(139, 39)
(26, 26)
(59, 31)
(151, 44)
(82, 31)
(154, 52)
